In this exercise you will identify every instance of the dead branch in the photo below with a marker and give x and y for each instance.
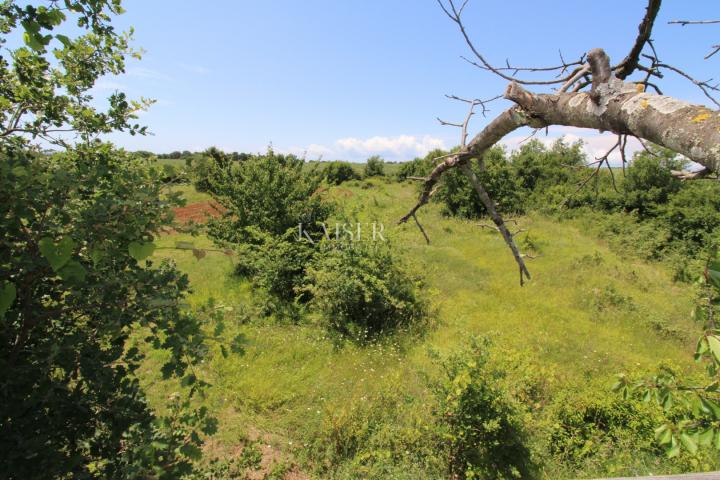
(495, 216)
(693, 22)
(419, 225)
(628, 65)
(455, 15)
(688, 175)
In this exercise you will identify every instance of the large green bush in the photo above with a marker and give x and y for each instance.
(538, 167)
(374, 167)
(460, 199)
(364, 289)
(271, 193)
(648, 182)
(338, 172)
(692, 215)
(74, 227)
(276, 263)
(483, 429)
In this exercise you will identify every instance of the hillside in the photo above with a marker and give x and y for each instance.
(586, 316)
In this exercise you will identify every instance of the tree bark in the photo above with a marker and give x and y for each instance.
(691, 130)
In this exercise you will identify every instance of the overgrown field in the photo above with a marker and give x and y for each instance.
(305, 406)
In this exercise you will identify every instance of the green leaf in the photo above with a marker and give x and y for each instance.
(57, 254)
(55, 17)
(141, 250)
(33, 40)
(702, 346)
(713, 272)
(97, 254)
(706, 437)
(188, 380)
(8, 293)
(714, 344)
(72, 270)
(688, 443)
(191, 451)
(663, 434)
(711, 406)
(64, 40)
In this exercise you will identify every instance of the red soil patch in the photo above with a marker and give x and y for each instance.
(198, 212)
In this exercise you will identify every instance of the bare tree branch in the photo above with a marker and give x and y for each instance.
(454, 14)
(628, 65)
(693, 22)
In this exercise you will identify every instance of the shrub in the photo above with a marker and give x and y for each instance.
(483, 429)
(375, 167)
(270, 192)
(69, 400)
(200, 172)
(692, 215)
(600, 427)
(648, 181)
(276, 263)
(363, 289)
(338, 172)
(419, 167)
(460, 199)
(538, 168)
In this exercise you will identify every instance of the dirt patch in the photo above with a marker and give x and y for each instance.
(271, 456)
(198, 212)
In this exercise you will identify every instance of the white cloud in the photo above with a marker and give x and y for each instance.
(402, 147)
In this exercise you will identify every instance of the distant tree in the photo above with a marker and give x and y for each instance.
(374, 167)
(270, 192)
(420, 167)
(338, 172)
(649, 181)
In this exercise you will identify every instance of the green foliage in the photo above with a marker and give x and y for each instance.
(696, 408)
(648, 182)
(363, 289)
(692, 215)
(483, 428)
(538, 168)
(460, 199)
(76, 282)
(374, 167)
(587, 428)
(338, 172)
(46, 82)
(270, 192)
(276, 263)
(79, 227)
(419, 167)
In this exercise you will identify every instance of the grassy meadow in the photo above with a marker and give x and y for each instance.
(587, 315)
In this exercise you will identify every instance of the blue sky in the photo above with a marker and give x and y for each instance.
(350, 78)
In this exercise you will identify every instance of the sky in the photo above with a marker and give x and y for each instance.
(346, 79)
